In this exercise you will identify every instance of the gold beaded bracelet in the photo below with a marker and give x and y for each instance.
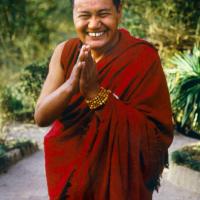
(99, 100)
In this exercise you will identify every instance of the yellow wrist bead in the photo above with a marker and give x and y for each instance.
(99, 100)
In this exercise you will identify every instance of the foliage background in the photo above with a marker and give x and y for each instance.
(171, 25)
(30, 30)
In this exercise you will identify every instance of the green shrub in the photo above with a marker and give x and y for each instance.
(134, 19)
(22, 145)
(4, 162)
(188, 156)
(184, 85)
(2, 150)
(30, 29)
(18, 100)
(3, 158)
(171, 26)
(6, 146)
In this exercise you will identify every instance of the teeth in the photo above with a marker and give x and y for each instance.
(96, 34)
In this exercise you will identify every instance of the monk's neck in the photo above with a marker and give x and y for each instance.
(98, 54)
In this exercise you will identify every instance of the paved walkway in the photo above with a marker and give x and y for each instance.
(26, 179)
(168, 191)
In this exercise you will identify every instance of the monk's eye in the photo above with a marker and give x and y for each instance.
(104, 14)
(84, 16)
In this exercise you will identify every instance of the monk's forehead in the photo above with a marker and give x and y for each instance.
(92, 4)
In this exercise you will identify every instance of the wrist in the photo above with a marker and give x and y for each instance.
(69, 88)
(92, 94)
(99, 100)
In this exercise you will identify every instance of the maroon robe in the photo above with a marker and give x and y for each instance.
(120, 152)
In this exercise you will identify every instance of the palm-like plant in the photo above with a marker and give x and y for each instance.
(185, 88)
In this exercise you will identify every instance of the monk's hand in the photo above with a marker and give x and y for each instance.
(89, 85)
(74, 78)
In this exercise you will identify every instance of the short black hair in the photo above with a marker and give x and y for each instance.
(116, 3)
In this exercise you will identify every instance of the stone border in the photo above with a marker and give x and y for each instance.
(184, 177)
(13, 156)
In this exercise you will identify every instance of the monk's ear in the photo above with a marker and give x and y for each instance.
(119, 11)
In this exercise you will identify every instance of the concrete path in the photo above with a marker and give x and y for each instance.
(26, 179)
(168, 191)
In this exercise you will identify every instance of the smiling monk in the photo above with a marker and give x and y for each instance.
(107, 100)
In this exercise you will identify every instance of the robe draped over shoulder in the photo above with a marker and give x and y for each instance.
(120, 152)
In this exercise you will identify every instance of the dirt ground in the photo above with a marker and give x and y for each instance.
(26, 179)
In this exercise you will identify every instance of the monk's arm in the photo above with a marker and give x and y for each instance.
(56, 92)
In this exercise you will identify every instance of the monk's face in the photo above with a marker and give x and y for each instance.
(96, 22)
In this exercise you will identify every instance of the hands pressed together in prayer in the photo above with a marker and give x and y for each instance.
(84, 78)
(57, 92)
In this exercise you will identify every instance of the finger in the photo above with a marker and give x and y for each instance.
(84, 71)
(90, 59)
(87, 47)
(86, 56)
(90, 56)
(86, 52)
(77, 70)
(81, 56)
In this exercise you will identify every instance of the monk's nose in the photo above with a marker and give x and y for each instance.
(94, 23)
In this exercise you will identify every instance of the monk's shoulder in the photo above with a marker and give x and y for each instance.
(64, 46)
(70, 48)
(145, 45)
(145, 55)
(69, 44)
(145, 52)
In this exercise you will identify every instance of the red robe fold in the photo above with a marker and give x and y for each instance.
(120, 152)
